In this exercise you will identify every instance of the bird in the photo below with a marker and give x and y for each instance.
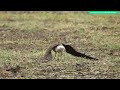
(61, 47)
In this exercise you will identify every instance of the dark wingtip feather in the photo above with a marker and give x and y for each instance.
(88, 57)
(72, 51)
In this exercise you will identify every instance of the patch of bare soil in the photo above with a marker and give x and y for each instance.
(21, 47)
(8, 71)
(22, 34)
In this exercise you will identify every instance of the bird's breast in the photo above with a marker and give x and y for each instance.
(60, 48)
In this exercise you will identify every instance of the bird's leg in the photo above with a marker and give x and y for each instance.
(58, 55)
(61, 54)
(55, 55)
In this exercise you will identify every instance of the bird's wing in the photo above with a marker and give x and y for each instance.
(48, 54)
(72, 51)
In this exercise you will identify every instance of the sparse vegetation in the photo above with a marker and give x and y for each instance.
(24, 37)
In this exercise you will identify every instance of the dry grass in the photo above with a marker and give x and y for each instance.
(25, 36)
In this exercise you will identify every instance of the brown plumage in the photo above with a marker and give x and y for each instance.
(48, 54)
(69, 49)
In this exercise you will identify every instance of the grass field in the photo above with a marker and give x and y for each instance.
(25, 36)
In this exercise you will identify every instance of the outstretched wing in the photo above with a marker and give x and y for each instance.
(72, 51)
(48, 54)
